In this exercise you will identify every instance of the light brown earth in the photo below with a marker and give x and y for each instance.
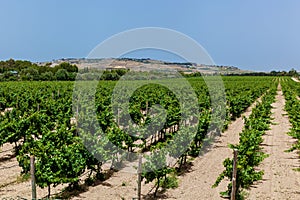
(280, 180)
(295, 79)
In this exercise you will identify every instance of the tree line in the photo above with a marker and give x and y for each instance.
(19, 70)
(291, 72)
(15, 70)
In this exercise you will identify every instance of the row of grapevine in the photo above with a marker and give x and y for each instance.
(291, 91)
(250, 153)
(39, 124)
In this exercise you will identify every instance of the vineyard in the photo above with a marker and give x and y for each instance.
(83, 135)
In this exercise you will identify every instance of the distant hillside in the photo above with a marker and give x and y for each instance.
(148, 65)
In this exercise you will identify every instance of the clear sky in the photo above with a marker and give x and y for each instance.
(257, 35)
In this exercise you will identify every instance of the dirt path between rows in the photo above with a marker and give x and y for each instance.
(9, 167)
(280, 180)
(295, 79)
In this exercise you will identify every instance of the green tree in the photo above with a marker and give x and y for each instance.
(72, 76)
(47, 76)
(67, 66)
(62, 74)
(29, 74)
(292, 72)
(7, 75)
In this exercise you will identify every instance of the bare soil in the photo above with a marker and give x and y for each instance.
(9, 168)
(281, 181)
(295, 79)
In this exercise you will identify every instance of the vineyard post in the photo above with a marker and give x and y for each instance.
(139, 177)
(233, 191)
(118, 120)
(77, 114)
(32, 173)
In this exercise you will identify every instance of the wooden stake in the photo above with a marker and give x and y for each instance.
(118, 120)
(77, 111)
(140, 177)
(32, 172)
(233, 190)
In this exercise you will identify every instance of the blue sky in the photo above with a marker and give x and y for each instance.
(257, 35)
